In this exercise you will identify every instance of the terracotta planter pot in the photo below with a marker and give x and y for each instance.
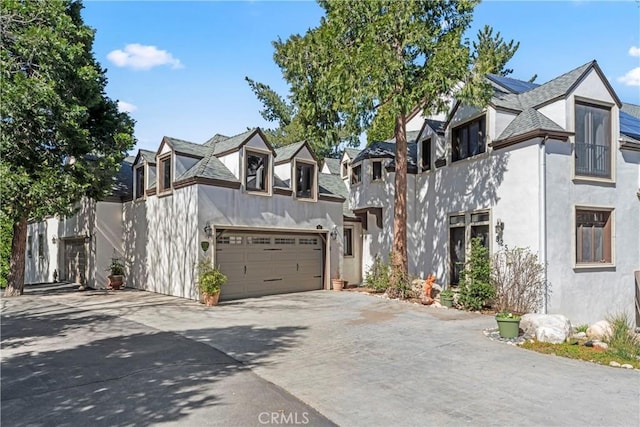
(338, 284)
(210, 299)
(116, 281)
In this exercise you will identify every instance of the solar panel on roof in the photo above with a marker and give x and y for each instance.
(629, 125)
(514, 85)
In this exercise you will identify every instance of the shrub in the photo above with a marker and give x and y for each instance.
(582, 328)
(623, 341)
(116, 268)
(518, 279)
(475, 287)
(379, 275)
(210, 279)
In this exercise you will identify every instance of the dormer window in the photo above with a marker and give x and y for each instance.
(593, 141)
(469, 139)
(345, 169)
(356, 174)
(139, 182)
(164, 174)
(305, 174)
(257, 171)
(425, 157)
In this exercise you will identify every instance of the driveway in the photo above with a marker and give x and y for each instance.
(358, 360)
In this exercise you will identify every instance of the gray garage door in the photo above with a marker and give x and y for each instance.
(75, 261)
(259, 264)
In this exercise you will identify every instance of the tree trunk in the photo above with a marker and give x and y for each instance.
(15, 285)
(400, 269)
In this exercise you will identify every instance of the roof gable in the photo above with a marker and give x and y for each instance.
(333, 165)
(234, 143)
(527, 121)
(147, 156)
(288, 152)
(185, 148)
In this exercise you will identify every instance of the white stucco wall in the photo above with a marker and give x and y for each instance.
(230, 207)
(107, 241)
(136, 242)
(172, 248)
(232, 162)
(352, 265)
(39, 268)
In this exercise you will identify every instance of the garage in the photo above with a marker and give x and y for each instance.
(258, 264)
(75, 261)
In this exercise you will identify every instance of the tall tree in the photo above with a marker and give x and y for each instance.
(390, 55)
(61, 137)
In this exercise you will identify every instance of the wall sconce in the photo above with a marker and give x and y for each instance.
(87, 238)
(208, 230)
(499, 231)
(334, 233)
(54, 240)
(318, 227)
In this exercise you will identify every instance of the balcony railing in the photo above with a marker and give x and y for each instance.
(593, 160)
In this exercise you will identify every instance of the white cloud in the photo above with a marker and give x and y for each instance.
(634, 51)
(632, 78)
(126, 107)
(141, 57)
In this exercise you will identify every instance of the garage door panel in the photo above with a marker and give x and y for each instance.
(259, 264)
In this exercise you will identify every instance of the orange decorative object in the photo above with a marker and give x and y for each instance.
(428, 286)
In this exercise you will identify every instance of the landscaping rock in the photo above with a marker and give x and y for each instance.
(627, 366)
(599, 330)
(580, 335)
(552, 328)
(614, 364)
(600, 344)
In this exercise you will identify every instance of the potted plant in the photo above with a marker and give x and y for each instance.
(446, 297)
(210, 280)
(116, 276)
(508, 324)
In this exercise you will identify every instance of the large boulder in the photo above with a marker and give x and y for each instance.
(552, 328)
(599, 331)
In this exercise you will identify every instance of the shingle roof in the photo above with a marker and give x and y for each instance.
(123, 181)
(215, 139)
(631, 109)
(333, 165)
(288, 151)
(333, 184)
(352, 152)
(223, 145)
(209, 167)
(527, 121)
(186, 147)
(436, 125)
(387, 149)
(148, 156)
(412, 159)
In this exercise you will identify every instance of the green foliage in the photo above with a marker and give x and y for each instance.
(576, 351)
(61, 137)
(507, 315)
(54, 109)
(446, 294)
(210, 279)
(475, 286)
(623, 342)
(582, 328)
(388, 55)
(382, 126)
(116, 268)
(6, 235)
(379, 275)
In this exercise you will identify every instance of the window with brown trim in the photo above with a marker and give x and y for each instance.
(305, 180)
(41, 245)
(257, 172)
(593, 141)
(425, 155)
(376, 171)
(356, 174)
(347, 249)
(139, 184)
(469, 139)
(345, 169)
(593, 236)
(164, 174)
(29, 246)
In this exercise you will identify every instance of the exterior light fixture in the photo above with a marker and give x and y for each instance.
(54, 240)
(318, 227)
(208, 230)
(87, 238)
(334, 233)
(499, 232)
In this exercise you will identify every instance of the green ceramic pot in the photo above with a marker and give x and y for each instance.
(508, 328)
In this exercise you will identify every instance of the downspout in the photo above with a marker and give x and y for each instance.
(542, 201)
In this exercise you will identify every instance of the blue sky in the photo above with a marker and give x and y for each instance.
(179, 66)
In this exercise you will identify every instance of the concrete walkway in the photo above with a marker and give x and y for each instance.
(358, 360)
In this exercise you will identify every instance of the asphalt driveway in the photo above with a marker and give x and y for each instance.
(358, 360)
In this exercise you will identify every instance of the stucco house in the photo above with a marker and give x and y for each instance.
(263, 214)
(552, 167)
